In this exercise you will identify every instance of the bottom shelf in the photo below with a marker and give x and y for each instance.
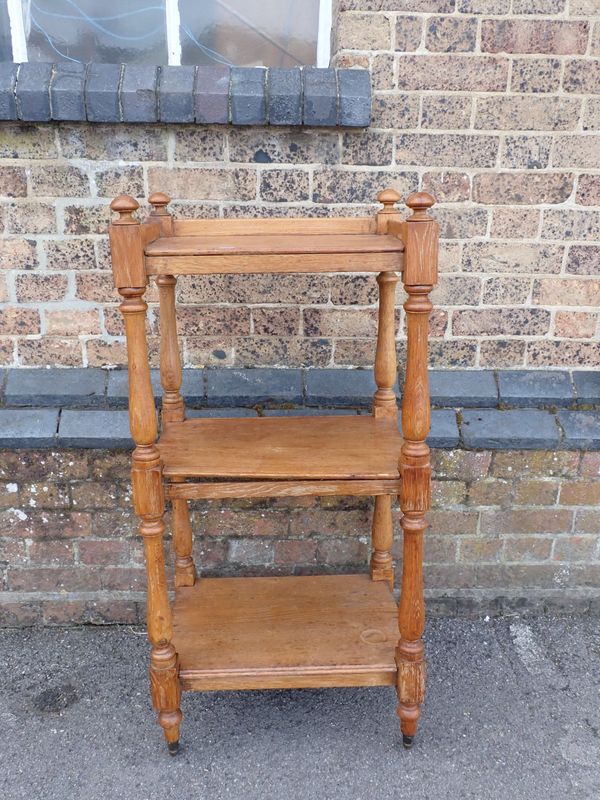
(288, 632)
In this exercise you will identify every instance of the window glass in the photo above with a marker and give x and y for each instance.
(5, 42)
(96, 30)
(271, 33)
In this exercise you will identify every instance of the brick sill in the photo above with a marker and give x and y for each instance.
(302, 96)
(503, 410)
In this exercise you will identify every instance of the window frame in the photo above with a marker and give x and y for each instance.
(173, 32)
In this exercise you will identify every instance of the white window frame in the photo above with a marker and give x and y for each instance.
(172, 21)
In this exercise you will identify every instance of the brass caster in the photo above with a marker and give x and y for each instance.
(173, 748)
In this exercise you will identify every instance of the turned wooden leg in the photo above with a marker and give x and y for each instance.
(382, 568)
(410, 659)
(185, 570)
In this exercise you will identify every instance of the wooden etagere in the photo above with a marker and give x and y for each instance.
(280, 632)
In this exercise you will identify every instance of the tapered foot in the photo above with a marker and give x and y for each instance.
(173, 748)
(407, 741)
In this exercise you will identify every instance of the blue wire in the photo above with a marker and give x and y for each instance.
(210, 53)
(51, 43)
(94, 24)
(97, 19)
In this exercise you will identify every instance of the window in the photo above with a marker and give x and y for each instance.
(272, 33)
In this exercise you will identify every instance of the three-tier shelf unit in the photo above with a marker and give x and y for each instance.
(283, 631)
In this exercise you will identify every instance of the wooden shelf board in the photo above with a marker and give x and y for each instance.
(285, 632)
(293, 448)
(274, 244)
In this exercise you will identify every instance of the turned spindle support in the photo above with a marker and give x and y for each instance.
(146, 473)
(420, 273)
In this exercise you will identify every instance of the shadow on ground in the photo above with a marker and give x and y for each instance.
(513, 711)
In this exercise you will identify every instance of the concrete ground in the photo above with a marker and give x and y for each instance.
(512, 712)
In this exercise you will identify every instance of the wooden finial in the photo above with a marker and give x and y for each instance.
(159, 202)
(388, 197)
(419, 202)
(125, 205)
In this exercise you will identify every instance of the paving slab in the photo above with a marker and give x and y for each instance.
(108, 429)
(581, 428)
(522, 429)
(509, 713)
(587, 387)
(250, 386)
(346, 387)
(77, 387)
(535, 388)
(463, 387)
(444, 428)
(28, 427)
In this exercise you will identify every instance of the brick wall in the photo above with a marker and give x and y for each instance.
(494, 110)
(509, 530)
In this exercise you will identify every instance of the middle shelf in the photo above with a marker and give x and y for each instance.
(280, 448)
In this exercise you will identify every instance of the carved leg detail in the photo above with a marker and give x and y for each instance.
(185, 570)
(410, 659)
(382, 568)
(166, 693)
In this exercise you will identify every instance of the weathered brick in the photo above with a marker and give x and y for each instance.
(202, 184)
(526, 152)
(453, 150)
(193, 143)
(590, 465)
(542, 464)
(571, 224)
(577, 151)
(543, 492)
(563, 354)
(457, 290)
(490, 492)
(445, 111)
(494, 322)
(51, 553)
(582, 76)
(352, 186)
(567, 291)
(292, 552)
(367, 147)
(527, 548)
(454, 73)
(501, 353)
(528, 113)
(524, 521)
(588, 190)
(13, 181)
(451, 34)
(575, 324)
(69, 254)
(284, 185)
(536, 75)
(447, 187)
(557, 37)
(86, 219)
(512, 257)
(580, 493)
(15, 321)
(408, 33)
(50, 351)
(18, 254)
(480, 551)
(500, 291)
(515, 223)
(587, 520)
(363, 32)
(59, 181)
(107, 552)
(574, 548)
(522, 188)
(113, 142)
(30, 217)
(27, 141)
(38, 287)
(394, 111)
(120, 180)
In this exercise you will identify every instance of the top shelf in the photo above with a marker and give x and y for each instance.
(289, 252)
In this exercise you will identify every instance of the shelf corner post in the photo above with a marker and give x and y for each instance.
(419, 276)
(146, 473)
